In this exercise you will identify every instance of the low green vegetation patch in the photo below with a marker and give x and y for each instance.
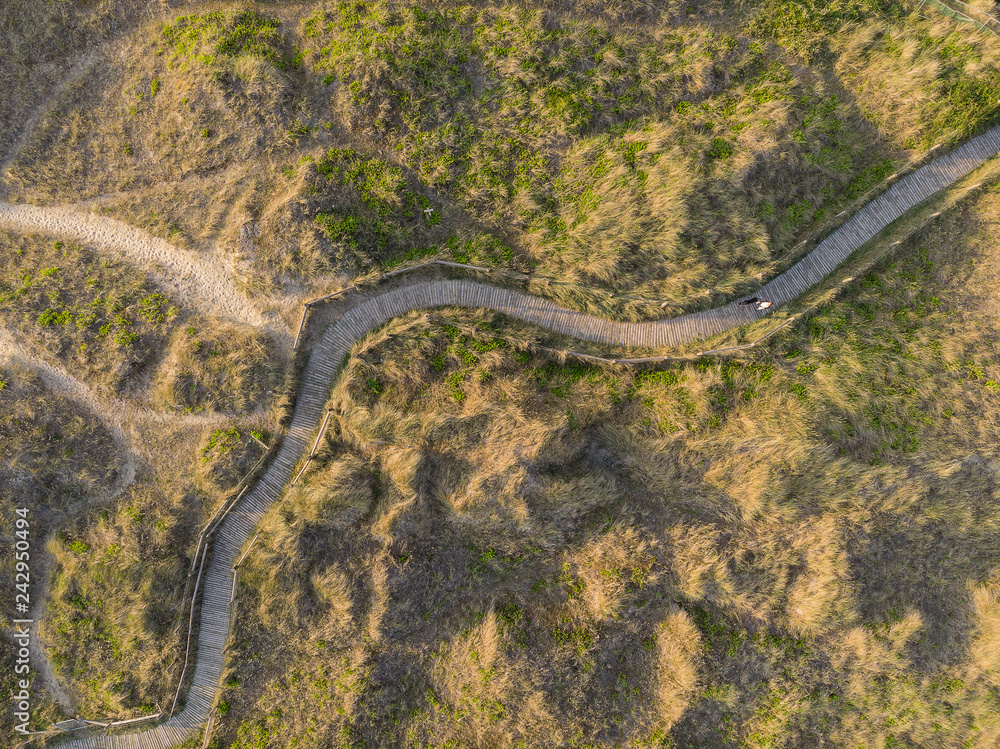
(246, 33)
(227, 455)
(377, 217)
(100, 317)
(805, 26)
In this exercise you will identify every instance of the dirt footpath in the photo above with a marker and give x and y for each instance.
(194, 278)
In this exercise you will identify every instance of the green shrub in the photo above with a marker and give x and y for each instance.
(720, 148)
(244, 33)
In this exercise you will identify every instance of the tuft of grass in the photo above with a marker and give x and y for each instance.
(215, 367)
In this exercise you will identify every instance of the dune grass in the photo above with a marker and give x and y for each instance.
(42, 41)
(586, 145)
(53, 459)
(680, 157)
(111, 571)
(216, 367)
(799, 548)
(495, 549)
(100, 317)
(116, 619)
(201, 94)
(112, 328)
(115, 569)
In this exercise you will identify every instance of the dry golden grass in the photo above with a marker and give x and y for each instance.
(494, 550)
(154, 113)
(44, 43)
(897, 71)
(110, 327)
(215, 367)
(676, 162)
(115, 619)
(616, 179)
(983, 653)
(769, 553)
(59, 464)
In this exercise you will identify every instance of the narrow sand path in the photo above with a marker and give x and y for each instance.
(62, 383)
(79, 69)
(113, 413)
(188, 276)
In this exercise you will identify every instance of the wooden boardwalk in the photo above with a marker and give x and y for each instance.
(328, 355)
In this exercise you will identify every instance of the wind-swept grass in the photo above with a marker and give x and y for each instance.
(496, 549)
(492, 548)
(55, 459)
(595, 146)
(115, 623)
(671, 158)
(215, 367)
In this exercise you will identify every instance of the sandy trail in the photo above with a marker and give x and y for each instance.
(201, 280)
(62, 383)
(113, 413)
(187, 276)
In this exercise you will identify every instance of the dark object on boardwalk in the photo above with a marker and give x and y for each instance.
(751, 300)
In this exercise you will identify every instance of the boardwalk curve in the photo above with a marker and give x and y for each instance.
(335, 343)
